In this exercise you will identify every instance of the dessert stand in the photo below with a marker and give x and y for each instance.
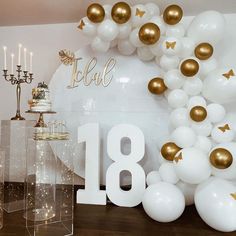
(40, 122)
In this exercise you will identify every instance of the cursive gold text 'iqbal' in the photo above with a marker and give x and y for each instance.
(89, 75)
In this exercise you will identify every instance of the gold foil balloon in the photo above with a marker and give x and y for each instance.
(173, 14)
(157, 86)
(96, 13)
(189, 67)
(169, 150)
(221, 158)
(149, 33)
(121, 12)
(203, 51)
(198, 113)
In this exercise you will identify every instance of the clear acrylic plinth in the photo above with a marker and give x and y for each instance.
(49, 190)
(13, 141)
(2, 161)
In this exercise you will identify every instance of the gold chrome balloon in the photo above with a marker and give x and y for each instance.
(203, 51)
(157, 86)
(169, 150)
(96, 13)
(189, 67)
(198, 113)
(173, 14)
(121, 12)
(221, 158)
(149, 33)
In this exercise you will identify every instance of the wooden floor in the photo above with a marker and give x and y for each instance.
(111, 220)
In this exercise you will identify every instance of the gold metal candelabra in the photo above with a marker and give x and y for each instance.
(18, 80)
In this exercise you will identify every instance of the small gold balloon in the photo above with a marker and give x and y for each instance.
(169, 150)
(189, 67)
(96, 13)
(221, 158)
(149, 33)
(198, 113)
(121, 12)
(203, 51)
(157, 86)
(173, 14)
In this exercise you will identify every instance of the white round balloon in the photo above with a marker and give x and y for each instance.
(222, 133)
(177, 98)
(215, 201)
(169, 62)
(173, 79)
(153, 177)
(108, 30)
(98, 45)
(125, 47)
(179, 117)
(215, 112)
(203, 143)
(163, 202)
(167, 173)
(177, 31)
(193, 86)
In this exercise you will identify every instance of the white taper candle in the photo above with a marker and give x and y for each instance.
(31, 62)
(5, 57)
(25, 64)
(19, 53)
(12, 64)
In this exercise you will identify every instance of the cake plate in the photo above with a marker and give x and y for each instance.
(40, 122)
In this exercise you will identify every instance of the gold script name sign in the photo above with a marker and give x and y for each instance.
(89, 75)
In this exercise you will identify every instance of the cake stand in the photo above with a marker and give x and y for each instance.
(40, 122)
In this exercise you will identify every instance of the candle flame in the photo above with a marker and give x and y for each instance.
(4, 48)
(12, 55)
(20, 45)
(25, 49)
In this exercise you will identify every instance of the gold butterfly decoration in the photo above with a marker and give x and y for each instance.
(229, 74)
(81, 25)
(67, 57)
(224, 128)
(170, 45)
(233, 195)
(178, 158)
(139, 13)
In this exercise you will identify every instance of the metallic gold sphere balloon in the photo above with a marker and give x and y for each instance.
(203, 51)
(221, 158)
(173, 14)
(198, 113)
(189, 67)
(121, 12)
(149, 33)
(157, 86)
(169, 150)
(96, 13)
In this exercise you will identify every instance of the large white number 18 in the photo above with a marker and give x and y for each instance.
(90, 134)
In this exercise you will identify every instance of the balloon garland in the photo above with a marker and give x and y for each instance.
(199, 159)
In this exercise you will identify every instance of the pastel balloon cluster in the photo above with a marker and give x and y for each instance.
(198, 159)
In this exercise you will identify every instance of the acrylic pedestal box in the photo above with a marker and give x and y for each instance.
(13, 141)
(49, 189)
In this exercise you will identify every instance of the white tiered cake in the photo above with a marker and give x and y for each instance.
(41, 99)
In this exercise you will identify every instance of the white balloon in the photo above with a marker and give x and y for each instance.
(163, 202)
(153, 9)
(220, 86)
(192, 165)
(107, 9)
(216, 204)
(207, 66)
(230, 172)
(196, 101)
(169, 63)
(173, 79)
(156, 48)
(145, 54)
(203, 128)
(171, 46)
(99, 45)
(177, 98)
(89, 28)
(177, 30)
(215, 112)
(125, 47)
(153, 177)
(188, 191)
(124, 30)
(203, 143)
(179, 117)
(140, 15)
(160, 23)
(222, 136)
(113, 43)
(193, 86)
(134, 38)
(208, 26)
(108, 30)
(188, 46)
(183, 137)
(167, 173)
